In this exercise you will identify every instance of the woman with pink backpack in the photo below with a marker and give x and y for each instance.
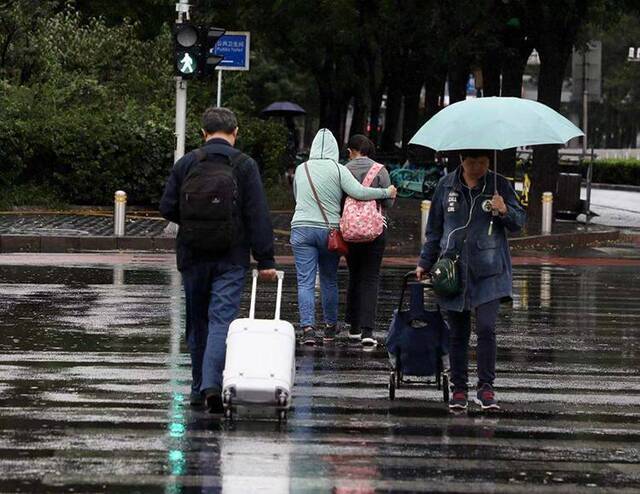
(363, 226)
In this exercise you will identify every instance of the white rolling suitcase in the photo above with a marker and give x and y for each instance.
(260, 364)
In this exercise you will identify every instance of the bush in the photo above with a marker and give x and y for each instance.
(96, 114)
(617, 171)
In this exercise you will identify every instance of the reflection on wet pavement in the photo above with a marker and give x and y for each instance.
(94, 396)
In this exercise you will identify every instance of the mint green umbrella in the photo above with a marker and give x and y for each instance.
(494, 123)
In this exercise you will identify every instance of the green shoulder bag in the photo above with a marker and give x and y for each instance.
(445, 277)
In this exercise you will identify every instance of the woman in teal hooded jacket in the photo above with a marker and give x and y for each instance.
(310, 231)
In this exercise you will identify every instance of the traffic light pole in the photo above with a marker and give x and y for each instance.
(219, 93)
(182, 7)
(181, 92)
(181, 117)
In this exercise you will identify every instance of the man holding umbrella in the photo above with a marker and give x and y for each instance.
(467, 223)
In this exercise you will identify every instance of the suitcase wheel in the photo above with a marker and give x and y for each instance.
(226, 402)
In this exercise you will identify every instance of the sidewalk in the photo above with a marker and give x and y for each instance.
(85, 230)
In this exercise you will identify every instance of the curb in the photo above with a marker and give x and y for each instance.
(47, 244)
(561, 240)
(621, 187)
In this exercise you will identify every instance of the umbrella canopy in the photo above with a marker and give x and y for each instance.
(283, 108)
(494, 123)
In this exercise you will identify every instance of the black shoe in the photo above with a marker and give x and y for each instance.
(355, 334)
(330, 332)
(368, 341)
(308, 336)
(486, 398)
(213, 397)
(196, 399)
(458, 400)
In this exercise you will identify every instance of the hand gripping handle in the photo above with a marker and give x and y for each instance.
(254, 289)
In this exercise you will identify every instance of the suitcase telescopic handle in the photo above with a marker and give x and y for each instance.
(254, 289)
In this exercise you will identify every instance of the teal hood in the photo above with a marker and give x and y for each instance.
(324, 146)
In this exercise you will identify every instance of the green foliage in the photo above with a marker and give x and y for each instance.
(280, 197)
(94, 117)
(617, 171)
(44, 196)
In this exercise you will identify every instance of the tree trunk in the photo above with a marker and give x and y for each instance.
(374, 118)
(491, 65)
(411, 114)
(458, 78)
(553, 60)
(512, 71)
(360, 110)
(392, 114)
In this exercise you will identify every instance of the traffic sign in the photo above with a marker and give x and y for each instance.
(234, 47)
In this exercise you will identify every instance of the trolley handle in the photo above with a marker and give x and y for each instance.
(405, 282)
(254, 289)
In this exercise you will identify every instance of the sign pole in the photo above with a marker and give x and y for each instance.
(181, 93)
(585, 103)
(219, 95)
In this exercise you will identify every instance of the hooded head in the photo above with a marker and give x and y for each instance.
(324, 146)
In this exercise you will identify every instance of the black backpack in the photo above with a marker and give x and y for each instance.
(210, 218)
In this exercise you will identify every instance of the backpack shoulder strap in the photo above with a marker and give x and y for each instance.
(201, 154)
(371, 174)
(238, 158)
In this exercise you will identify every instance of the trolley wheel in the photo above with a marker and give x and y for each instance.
(445, 388)
(392, 386)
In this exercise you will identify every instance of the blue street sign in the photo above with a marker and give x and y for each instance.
(234, 47)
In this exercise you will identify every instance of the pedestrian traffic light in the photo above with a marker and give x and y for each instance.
(210, 36)
(187, 50)
(193, 50)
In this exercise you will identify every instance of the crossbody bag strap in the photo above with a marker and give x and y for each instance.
(315, 194)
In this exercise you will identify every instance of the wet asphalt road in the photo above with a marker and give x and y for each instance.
(94, 388)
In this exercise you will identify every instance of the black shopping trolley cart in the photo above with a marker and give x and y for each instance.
(417, 342)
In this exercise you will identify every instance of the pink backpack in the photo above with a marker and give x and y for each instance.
(362, 221)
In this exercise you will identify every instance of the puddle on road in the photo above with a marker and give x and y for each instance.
(94, 378)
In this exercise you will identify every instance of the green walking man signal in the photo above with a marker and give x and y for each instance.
(193, 50)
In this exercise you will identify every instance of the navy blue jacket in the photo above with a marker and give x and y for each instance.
(258, 232)
(485, 262)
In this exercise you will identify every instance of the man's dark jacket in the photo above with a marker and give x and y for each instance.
(257, 234)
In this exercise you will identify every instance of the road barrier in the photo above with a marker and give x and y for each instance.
(119, 213)
(547, 212)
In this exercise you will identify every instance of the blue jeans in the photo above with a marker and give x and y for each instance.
(310, 253)
(212, 292)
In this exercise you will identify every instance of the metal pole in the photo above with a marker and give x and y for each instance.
(585, 103)
(547, 212)
(219, 95)
(589, 179)
(181, 117)
(425, 206)
(119, 213)
(182, 7)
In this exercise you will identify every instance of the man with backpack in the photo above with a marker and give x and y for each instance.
(216, 197)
